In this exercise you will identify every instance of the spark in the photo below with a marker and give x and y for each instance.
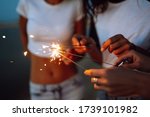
(45, 65)
(11, 61)
(4, 37)
(31, 36)
(55, 50)
(41, 69)
(45, 46)
(73, 61)
(25, 53)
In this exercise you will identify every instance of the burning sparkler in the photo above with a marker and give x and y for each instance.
(55, 51)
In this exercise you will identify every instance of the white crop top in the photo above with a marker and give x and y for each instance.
(130, 18)
(49, 24)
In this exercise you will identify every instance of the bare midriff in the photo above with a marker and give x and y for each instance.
(45, 72)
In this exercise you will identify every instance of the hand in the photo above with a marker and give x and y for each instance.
(117, 45)
(139, 61)
(83, 44)
(117, 81)
(71, 56)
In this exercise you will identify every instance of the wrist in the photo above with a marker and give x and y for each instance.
(133, 47)
(144, 82)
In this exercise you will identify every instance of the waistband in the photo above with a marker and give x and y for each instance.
(67, 82)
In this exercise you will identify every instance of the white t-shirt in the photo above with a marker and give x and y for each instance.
(130, 18)
(49, 24)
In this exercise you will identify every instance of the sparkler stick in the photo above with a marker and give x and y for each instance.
(60, 52)
(57, 52)
(89, 58)
(72, 61)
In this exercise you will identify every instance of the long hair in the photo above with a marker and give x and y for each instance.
(99, 6)
(92, 9)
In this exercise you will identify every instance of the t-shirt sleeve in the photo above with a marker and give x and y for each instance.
(79, 9)
(22, 8)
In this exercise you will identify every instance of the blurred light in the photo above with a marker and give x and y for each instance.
(44, 51)
(25, 53)
(41, 69)
(11, 61)
(4, 37)
(32, 36)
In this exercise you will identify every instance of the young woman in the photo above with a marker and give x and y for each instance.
(44, 22)
(121, 25)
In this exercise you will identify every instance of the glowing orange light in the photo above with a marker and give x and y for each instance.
(25, 53)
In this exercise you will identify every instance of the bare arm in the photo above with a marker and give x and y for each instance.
(23, 31)
(140, 50)
(79, 27)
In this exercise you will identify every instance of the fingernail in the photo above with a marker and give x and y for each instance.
(87, 72)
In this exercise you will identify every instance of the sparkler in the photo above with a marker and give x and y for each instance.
(55, 51)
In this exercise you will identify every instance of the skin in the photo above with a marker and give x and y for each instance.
(112, 80)
(113, 84)
(54, 2)
(117, 45)
(133, 83)
(52, 73)
(84, 45)
(139, 61)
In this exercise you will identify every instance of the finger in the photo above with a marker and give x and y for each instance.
(117, 44)
(84, 42)
(108, 42)
(132, 66)
(121, 49)
(100, 87)
(75, 41)
(94, 72)
(122, 57)
(99, 81)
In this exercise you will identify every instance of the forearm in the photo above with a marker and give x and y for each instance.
(79, 27)
(23, 32)
(146, 65)
(144, 84)
(140, 50)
